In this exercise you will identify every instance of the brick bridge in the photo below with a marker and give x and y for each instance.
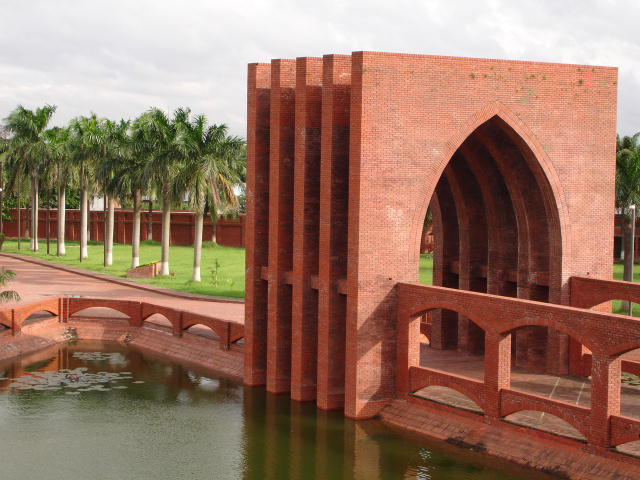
(137, 313)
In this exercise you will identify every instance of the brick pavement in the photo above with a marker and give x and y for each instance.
(36, 281)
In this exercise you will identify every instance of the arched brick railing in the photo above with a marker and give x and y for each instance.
(423, 377)
(226, 331)
(13, 318)
(130, 308)
(173, 316)
(137, 312)
(587, 292)
(576, 416)
(606, 335)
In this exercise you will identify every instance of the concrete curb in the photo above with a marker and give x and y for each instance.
(120, 281)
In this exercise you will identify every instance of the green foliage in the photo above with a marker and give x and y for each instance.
(5, 277)
(627, 172)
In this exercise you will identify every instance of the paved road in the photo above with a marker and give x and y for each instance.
(34, 282)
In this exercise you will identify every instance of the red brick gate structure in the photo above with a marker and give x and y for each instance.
(344, 155)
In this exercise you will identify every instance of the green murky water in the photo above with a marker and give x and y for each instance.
(103, 411)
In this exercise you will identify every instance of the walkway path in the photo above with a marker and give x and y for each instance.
(36, 281)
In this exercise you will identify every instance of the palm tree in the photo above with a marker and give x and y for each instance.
(4, 146)
(87, 144)
(27, 146)
(113, 146)
(627, 193)
(128, 183)
(210, 172)
(5, 277)
(159, 137)
(60, 173)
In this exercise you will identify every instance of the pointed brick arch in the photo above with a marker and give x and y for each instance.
(546, 175)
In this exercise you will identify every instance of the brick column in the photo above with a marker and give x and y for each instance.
(444, 324)
(304, 314)
(408, 344)
(257, 223)
(281, 174)
(605, 397)
(334, 191)
(497, 370)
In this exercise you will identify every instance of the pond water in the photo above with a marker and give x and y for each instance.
(104, 411)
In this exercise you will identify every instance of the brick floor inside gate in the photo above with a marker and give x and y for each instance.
(569, 389)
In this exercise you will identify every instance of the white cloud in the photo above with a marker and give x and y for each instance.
(118, 57)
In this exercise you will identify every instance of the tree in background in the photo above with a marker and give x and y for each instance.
(159, 137)
(627, 193)
(86, 142)
(128, 182)
(27, 148)
(114, 136)
(210, 171)
(60, 174)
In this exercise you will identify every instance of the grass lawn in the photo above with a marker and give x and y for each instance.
(426, 268)
(618, 268)
(230, 260)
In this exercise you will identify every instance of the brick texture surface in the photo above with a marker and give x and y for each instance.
(508, 154)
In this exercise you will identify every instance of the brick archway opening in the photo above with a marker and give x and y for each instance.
(496, 230)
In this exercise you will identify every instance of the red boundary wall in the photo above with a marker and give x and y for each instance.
(229, 232)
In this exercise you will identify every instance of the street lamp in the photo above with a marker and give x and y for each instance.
(633, 246)
(149, 217)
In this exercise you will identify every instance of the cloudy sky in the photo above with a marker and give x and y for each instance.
(117, 58)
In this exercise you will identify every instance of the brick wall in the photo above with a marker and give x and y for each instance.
(229, 232)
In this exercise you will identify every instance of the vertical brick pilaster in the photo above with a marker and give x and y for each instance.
(408, 346)
(334, 191)
(605, 397)
(444, 324)
(497, 370)
(257, 223)
(281, 174)
(306, 205)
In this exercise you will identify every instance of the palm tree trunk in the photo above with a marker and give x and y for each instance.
(83, 223)
(110, 221)
(1, 195)
(27, 218)
(104, 227)
(34, 213)
(48, 219)
(19, 211)
(197, 246)
(135, 240)
(61, 220)
(89, 217)
(166, 230)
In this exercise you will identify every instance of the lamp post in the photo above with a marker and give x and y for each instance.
(632, 250)
(149, 217)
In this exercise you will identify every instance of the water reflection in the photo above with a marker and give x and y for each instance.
(175, 422)
(286, 439)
